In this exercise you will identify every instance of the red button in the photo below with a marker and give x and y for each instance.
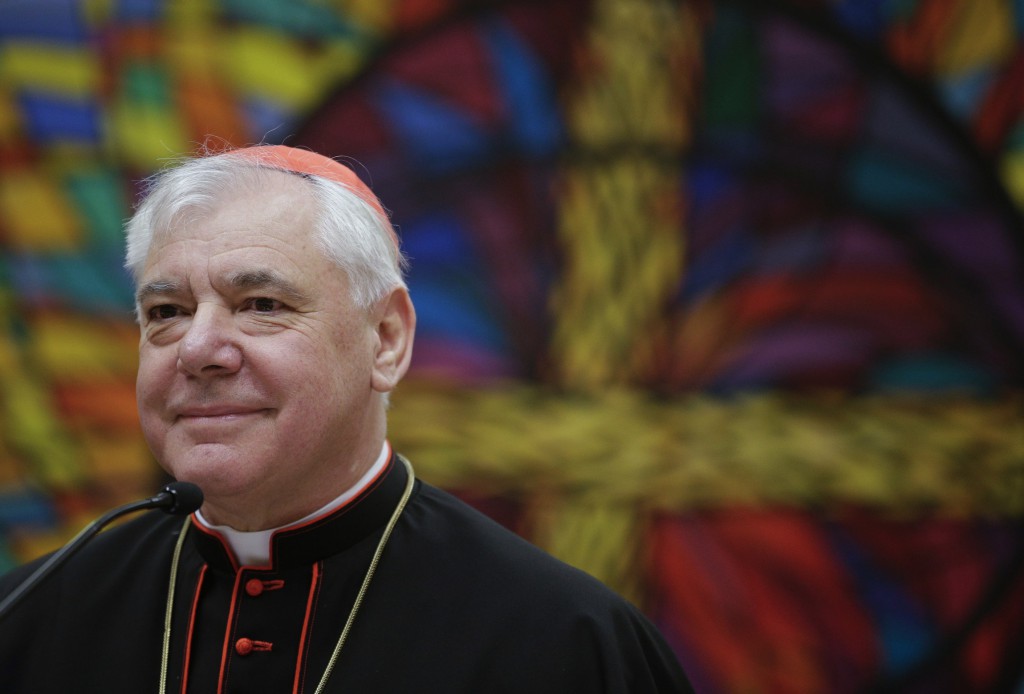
(243, 646)
(254, 587)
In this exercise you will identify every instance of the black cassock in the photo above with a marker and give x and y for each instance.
(457, 604)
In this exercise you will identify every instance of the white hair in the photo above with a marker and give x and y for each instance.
(350, 231)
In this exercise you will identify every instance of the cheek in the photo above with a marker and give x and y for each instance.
(151, 387)
(147, 381)
(323, 386)
(334, 357)
(154, 428)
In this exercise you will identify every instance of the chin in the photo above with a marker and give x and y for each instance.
(219, 473)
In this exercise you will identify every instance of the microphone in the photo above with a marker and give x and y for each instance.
(176, 498)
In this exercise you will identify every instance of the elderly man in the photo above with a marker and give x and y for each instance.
(274, 322)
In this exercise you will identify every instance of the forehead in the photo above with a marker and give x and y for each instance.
(272, 223)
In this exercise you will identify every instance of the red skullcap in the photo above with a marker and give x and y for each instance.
(303, 161)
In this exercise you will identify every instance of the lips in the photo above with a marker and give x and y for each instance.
(216, 413)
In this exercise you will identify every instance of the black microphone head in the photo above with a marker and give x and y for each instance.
(184, 498)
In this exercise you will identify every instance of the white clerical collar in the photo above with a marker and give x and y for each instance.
(253, 548)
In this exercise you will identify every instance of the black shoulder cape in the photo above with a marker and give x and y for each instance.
(457, 604)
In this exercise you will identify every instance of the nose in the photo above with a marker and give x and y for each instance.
(210, 346)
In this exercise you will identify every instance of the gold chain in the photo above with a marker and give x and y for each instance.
(165, 655)
(392, 522)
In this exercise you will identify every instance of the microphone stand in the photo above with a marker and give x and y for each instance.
(178, 498)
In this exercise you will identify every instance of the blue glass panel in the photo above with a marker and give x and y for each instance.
(44, 19)
(51, 118)
(536, 122)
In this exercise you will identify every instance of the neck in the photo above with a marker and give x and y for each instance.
(272, 506)
(252, 548)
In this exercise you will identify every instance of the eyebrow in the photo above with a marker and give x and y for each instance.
(267, 279)
(242, 280)
(156, 288)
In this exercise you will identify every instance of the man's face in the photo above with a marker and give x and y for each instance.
(256, 373)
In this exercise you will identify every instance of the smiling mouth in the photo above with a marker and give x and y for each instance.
(224, 415)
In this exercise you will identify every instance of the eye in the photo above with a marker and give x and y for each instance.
(163, 312)
(262, 304)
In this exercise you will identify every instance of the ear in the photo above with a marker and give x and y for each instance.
(395, 325)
